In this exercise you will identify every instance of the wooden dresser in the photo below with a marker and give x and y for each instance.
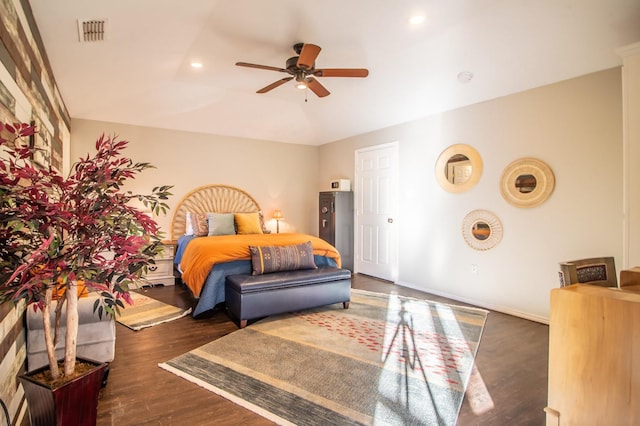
(594, 356)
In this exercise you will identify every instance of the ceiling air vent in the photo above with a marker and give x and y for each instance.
(92, 30)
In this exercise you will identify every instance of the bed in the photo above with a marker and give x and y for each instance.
(204, 261)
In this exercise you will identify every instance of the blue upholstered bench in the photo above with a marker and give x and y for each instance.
(255, 296)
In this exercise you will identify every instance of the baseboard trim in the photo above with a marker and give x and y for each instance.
(490, 306)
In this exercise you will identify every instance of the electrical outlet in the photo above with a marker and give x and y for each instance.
(474, 268)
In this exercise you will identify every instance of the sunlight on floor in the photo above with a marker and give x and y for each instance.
(477, 393)
(426, 362)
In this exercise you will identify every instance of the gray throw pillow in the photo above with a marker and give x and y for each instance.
(221, 224)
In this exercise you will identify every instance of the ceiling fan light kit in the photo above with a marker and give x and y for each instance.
(302, 69)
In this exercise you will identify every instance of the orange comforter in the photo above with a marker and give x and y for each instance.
(204, 252)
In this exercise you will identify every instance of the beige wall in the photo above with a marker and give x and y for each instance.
(278, 175)
(631, 153)
(575, 126)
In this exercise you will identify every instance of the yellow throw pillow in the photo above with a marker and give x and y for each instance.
(248, 223)
(60, 288)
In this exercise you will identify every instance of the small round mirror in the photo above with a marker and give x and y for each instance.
(526, 183)
(481, 230)
(458, 168)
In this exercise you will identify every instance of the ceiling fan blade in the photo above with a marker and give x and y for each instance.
(317, 88)
(308, 56)
(342, 72)
(261, 67)
(274, 85)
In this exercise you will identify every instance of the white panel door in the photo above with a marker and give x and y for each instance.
(375, 193)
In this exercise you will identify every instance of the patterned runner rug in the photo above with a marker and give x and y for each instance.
(147, 312)
(387, 360)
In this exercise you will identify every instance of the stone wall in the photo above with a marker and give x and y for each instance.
(28, 94)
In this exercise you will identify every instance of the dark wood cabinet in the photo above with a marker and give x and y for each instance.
(336, 223)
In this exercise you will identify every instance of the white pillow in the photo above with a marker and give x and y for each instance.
(188, 229)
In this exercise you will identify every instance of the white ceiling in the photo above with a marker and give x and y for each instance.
(141, 74)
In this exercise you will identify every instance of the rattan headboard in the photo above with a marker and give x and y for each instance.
(211, 198)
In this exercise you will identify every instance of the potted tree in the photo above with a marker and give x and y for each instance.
(59, 232)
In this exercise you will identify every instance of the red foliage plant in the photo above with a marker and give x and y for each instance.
(56, 231)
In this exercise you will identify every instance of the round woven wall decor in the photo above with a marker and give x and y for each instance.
(458, 151)
(527, 182)
(481, 229)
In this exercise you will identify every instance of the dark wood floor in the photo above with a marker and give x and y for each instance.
(510, 386)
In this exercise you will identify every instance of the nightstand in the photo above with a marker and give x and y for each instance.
(162, 272)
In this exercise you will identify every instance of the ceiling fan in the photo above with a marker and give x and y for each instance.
(302, 69)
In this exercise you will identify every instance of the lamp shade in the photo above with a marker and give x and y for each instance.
(277, 215)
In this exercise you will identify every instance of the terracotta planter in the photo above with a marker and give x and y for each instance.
(74, 403)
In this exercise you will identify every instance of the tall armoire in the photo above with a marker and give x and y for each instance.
(336, 223)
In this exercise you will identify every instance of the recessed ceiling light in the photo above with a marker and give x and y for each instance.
(416, 19)
(196, 64)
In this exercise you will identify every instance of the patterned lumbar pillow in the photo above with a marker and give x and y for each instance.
(265, 259)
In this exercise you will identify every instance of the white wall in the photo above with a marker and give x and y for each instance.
(574, 126)
(631, 153)
(278, 175)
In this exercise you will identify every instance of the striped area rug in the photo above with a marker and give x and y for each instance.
(387, 360)
(147, 312)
